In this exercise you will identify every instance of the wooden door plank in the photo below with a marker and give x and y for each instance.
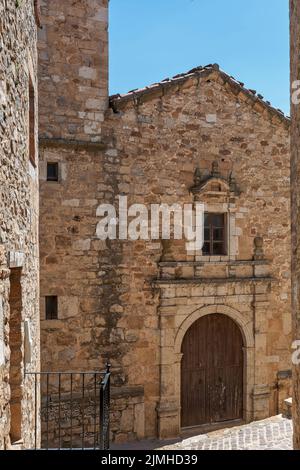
(212, 372)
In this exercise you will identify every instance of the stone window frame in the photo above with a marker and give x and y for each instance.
(232, 237)
(55, 323)
(53, 162)
(51, 315)
(222, 201)
(212, 240)
(46, 158)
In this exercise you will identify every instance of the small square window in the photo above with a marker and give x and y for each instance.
(51, 307)
(52, 171)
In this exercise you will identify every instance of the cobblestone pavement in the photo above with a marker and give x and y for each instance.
(271, 434)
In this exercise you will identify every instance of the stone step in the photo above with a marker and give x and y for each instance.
(288, 405)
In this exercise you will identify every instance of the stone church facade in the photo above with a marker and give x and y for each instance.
(143, 305)
(19, 203)
(168, 132)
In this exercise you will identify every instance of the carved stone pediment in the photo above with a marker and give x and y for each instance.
(214, 184)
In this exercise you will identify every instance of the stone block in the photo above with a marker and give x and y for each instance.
(261, 270)
(68, 307)
(88, 72)
(82, 245)
(16, 259)
(139, 420)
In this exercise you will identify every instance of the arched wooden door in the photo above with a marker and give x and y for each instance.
(212, 372)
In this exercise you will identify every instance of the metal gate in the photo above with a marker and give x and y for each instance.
(74, 409)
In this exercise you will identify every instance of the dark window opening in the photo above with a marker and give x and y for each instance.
(215, 187)
(32, 143)
(52, 171)
(51, 307)
(214, 235)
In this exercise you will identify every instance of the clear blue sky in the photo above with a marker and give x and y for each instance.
(154, 39)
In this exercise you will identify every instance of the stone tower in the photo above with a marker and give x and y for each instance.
(80, 285)
(295, 167)
(73, 69)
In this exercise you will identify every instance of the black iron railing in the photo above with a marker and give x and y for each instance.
(104, 410)
(71, 409)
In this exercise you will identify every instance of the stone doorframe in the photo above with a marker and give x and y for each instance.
(169, 409)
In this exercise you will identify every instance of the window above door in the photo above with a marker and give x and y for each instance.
(214, 235)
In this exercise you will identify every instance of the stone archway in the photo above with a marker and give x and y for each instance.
(212, 372)
(245, 326)
(246, 329)
(169, 409)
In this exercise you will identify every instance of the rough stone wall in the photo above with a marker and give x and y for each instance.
(73, 92)
(109, 307)
(160, 141)
(18, 214)
(295, 172)
(73, 68)
(75, 265)
(76, 422)
(84, 272)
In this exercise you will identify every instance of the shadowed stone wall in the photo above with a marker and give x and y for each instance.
(125, 301)
(295, 167)
(19, 278)
(162, 135)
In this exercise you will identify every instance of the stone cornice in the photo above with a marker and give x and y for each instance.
(126, 392)
(72, 144)
(201, 281)
(172, 264)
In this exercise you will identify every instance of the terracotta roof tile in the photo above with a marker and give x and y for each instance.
(118, 100)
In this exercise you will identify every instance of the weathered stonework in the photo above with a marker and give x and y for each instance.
(131, 302)
(73, 71)
(73, 68)
(162, 135)
(295, 172)
(199, 137)
(19, 279)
